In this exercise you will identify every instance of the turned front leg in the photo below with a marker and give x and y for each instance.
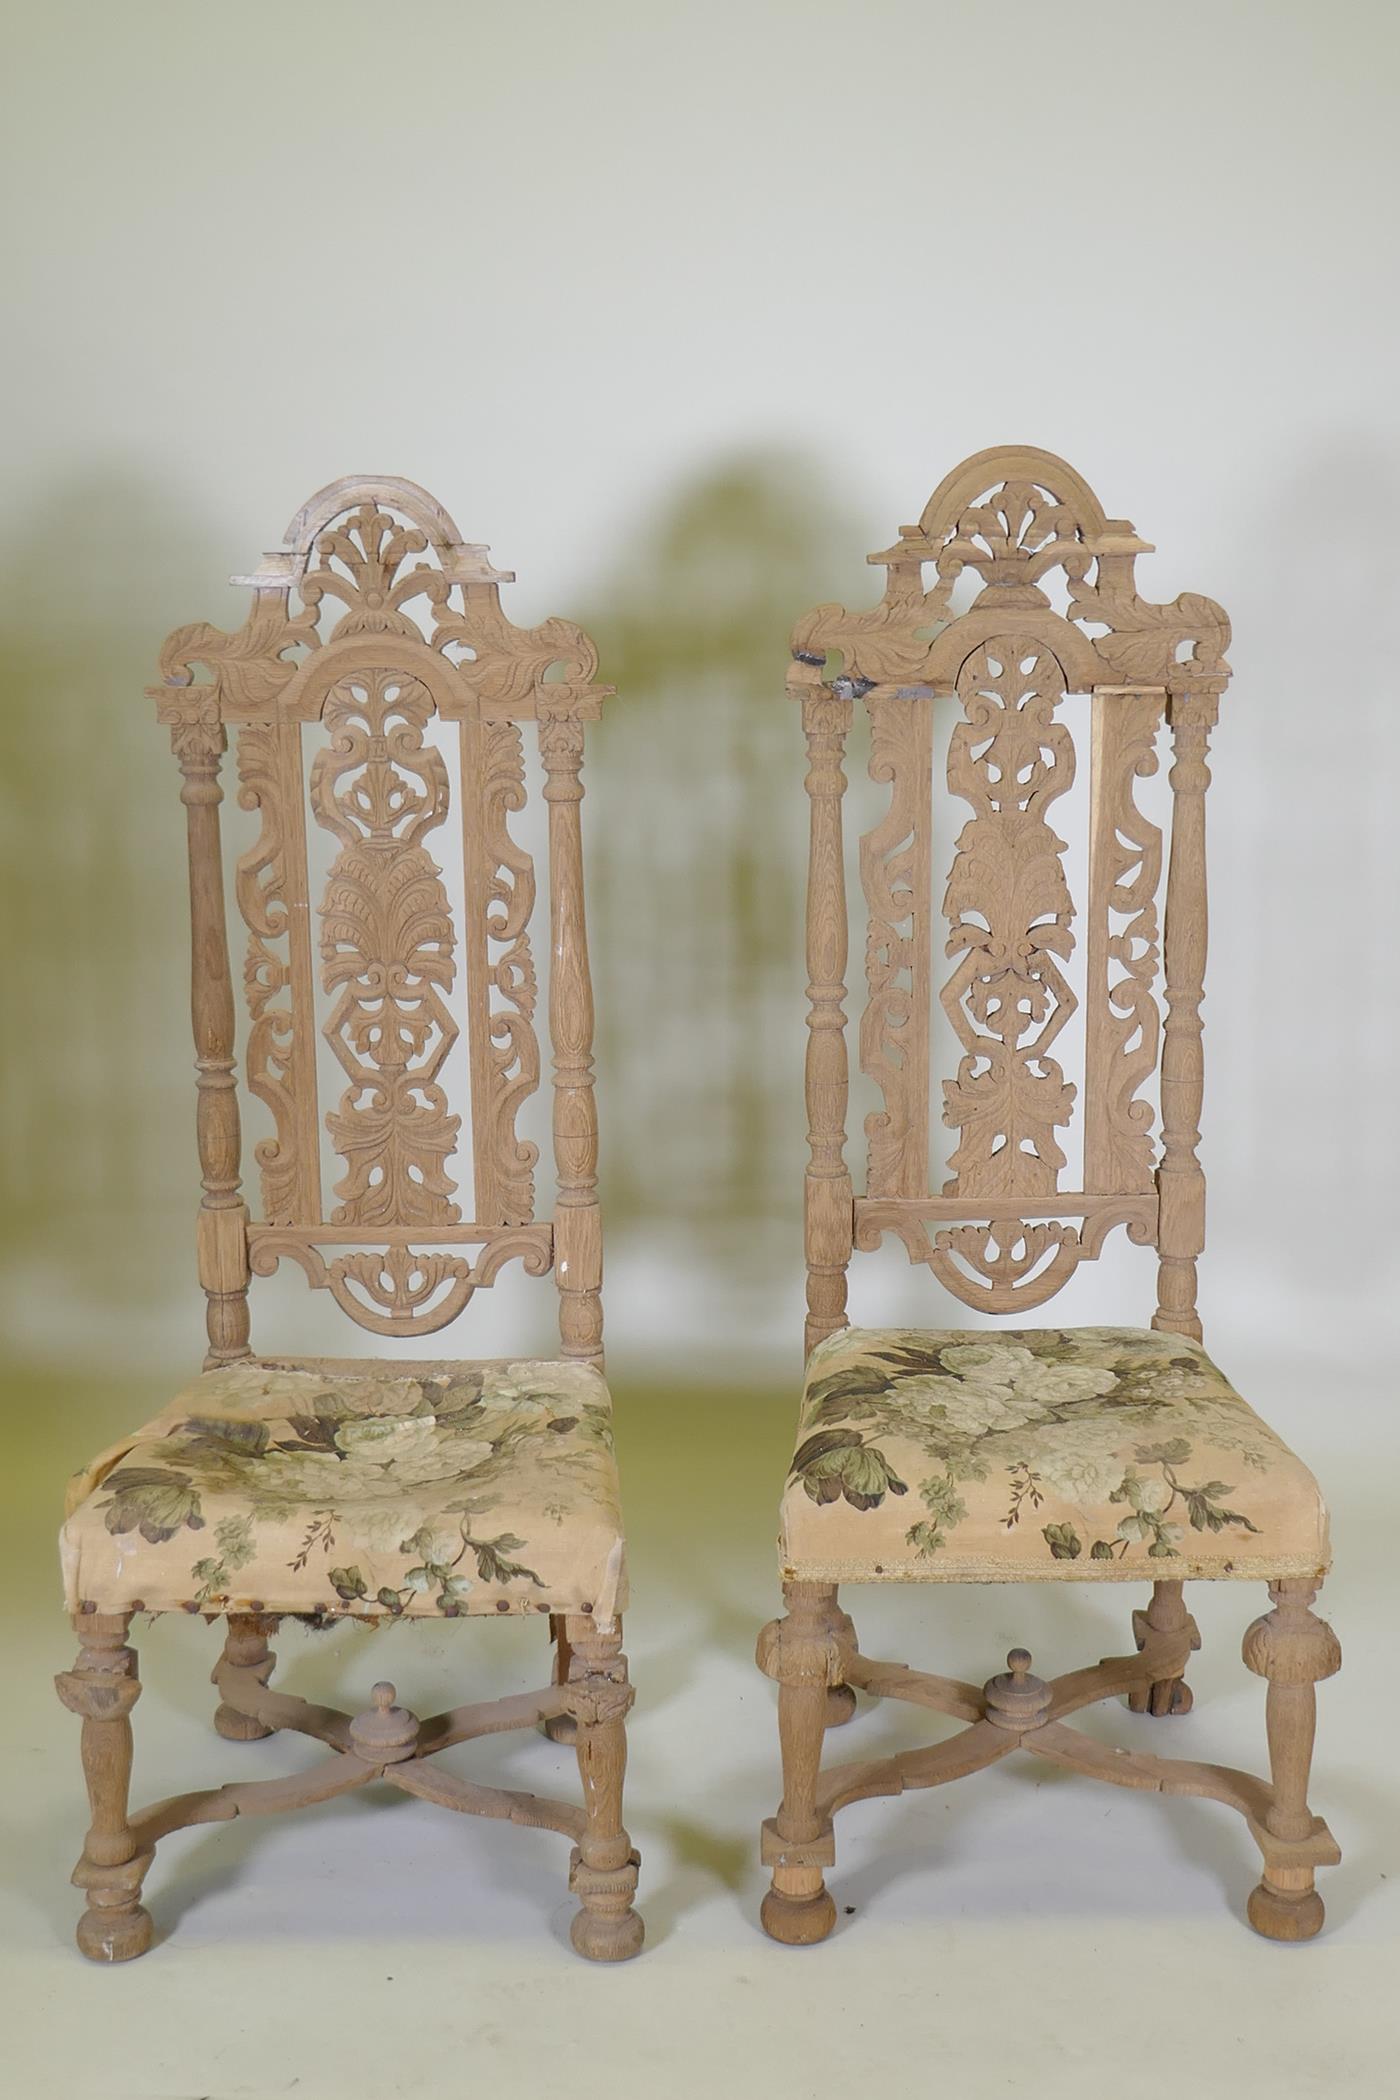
(603, 1871)
(806, 1653)
(102, 1687)
(1166, 1613)
(1294, 1650)
(245, 1650)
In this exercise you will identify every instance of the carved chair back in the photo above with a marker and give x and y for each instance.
(1004, 1235)
(372, 624)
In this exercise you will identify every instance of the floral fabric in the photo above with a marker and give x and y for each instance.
(1097, 1452)
(364, 1489)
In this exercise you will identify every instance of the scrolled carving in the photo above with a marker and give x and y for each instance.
(387, 951)
(1013, 515)
(1009, 911)
(512, 1047)
(894, 870)
(1004, 1262)
(1124, 1021)
(397, 1290)
(1008, 1257)
(507, 664)
(260, 883)
(371, 582)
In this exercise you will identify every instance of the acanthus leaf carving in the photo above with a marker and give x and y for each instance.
(894, 875)
(371, 582)
(191, 714)
(1144, 642)
(1009, 912)
(250, 665)
(1012, 516)
(513, 1050)
(387, 951)
(260, 881)
(1125, 872)
(508, 664)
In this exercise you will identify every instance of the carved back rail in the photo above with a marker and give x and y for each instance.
(372, 623)
(1004, 1233)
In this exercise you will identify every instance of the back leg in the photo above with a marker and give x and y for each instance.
(1166, 1613)
(560, 1728)
(245, 1648)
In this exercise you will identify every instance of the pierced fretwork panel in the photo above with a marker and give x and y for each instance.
(1123, 1036)
(895, 875)
(387, 952)
(1009, 919)
(1055, 646)
(376, 635)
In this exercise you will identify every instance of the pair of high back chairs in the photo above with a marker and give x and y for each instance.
(373, 1489)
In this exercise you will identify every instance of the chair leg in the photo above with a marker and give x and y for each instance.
(560, 1728)
(102, 1687)
(1293, 1650)
(804, 1653)
(245, 1648)
(1166, 1613)
(840, 1698)
(603, 1871)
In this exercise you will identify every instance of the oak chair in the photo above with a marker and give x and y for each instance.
(374, 652)
(1092, 1454)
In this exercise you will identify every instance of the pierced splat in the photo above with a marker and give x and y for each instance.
(1009, 913)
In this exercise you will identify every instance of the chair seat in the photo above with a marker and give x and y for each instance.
(1097, 1453)
(414, 1489)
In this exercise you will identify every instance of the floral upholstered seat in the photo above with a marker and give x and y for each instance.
(364, 1489)
(1000, 1456)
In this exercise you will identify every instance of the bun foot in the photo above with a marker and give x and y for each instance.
(1286, 1917)
(114, 1935)
(798, 1921)
(607, 1936)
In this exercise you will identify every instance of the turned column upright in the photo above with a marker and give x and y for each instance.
(198, 739)
(828, 1204)
(578, 1229)
(1181, 1181)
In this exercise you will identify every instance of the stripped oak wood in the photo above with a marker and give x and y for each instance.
(374, 623)
(1004, 1234)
